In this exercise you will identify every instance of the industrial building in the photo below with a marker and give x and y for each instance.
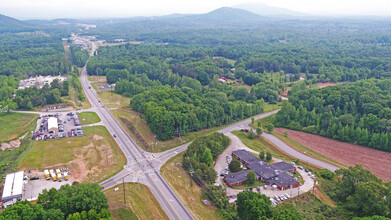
(272, 174)
(13, 188)
(53, 125)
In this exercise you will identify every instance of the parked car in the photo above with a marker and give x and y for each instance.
(287, 195)
(34, 178)
(300, 167)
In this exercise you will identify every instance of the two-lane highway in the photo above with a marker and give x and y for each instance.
(170, 203)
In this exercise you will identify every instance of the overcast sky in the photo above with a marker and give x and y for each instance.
(26, 9)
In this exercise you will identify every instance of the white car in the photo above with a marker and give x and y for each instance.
(287, 195)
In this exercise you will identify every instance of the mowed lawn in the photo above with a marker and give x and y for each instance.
(186, 189)
(91, 158)
(87, 118)
(140, 203)
(13, 125)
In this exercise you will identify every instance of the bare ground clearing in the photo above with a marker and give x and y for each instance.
(378, 162)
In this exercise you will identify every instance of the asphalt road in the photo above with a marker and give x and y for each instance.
(170, 203)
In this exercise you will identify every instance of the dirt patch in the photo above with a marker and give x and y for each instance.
(378, 162)
(81, 170)
(97, 137)
(285, 92)
(325, 84)
(10, 145)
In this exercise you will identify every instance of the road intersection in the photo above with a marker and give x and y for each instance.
(144, 167)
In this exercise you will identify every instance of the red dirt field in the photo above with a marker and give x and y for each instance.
(325, 84)
(378, 162)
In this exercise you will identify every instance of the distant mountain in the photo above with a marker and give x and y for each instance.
(221, 16)
(227, 13)
(12, 25)
(267, 10)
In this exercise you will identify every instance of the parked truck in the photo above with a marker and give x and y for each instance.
(59, 177)
(66, 176)
(54, 177)
(58, 171)
(47, 174)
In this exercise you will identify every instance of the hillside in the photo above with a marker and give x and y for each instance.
(223, 16)
(8, 24)
(267, 10)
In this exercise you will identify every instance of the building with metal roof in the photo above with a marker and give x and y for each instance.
(52, 124)
(13, 188)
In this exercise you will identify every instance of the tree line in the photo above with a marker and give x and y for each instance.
(200, 154)
(80, 201)
(358, 113)
(79, 56)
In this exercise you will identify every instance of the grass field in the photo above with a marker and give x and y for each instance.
(87, 118)
(264, 121)
(186, 189)
(13, 125)
(91, 158)
(140, 203)
(261, 144)
(113, 100)
(230, 61)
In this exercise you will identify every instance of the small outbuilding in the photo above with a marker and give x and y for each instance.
(52, 125)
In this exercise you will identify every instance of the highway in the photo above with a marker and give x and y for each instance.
(143, 167)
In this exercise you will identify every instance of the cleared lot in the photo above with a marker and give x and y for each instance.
(91, 158)
(378, 162)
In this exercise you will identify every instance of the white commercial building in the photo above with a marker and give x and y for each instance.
(13, 188)
(52, 124)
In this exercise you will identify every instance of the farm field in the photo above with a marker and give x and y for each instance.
(13, 125)
(91, 158)
(140, 203)
(345, 153)
(88, 118)
(186, 189)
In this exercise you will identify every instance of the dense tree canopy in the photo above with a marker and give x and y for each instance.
(32, 54)
(83, 201)
(359, 113)
(198, 157)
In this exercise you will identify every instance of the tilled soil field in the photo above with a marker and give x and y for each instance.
(378, 162)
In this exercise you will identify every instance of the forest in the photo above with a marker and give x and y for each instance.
(358, 113)
(80, 201)
(79, 56)
(31, 54)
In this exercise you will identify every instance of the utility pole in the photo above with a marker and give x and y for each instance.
(123, 183)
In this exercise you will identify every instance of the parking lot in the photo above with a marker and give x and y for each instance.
(36, 182)
(67, 125)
